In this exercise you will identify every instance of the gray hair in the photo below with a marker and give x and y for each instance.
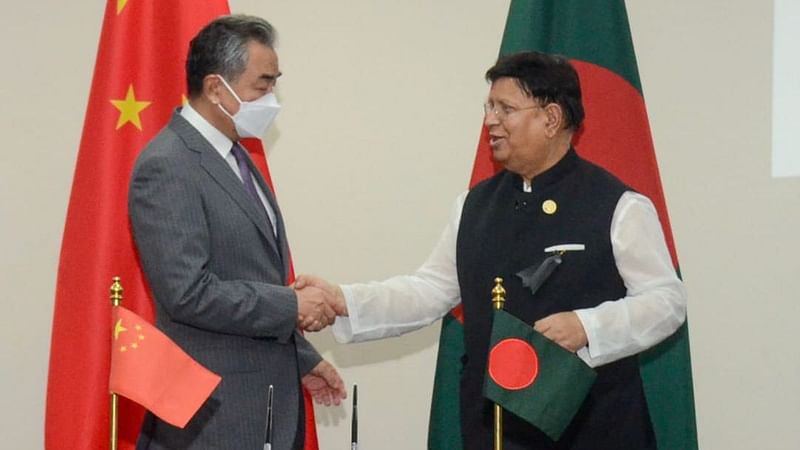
(221, 48)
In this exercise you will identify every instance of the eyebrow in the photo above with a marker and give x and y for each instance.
(501, 103)
(271, 77)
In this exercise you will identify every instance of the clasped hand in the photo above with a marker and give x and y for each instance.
(318, 302)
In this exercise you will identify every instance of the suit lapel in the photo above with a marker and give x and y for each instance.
(219, 171)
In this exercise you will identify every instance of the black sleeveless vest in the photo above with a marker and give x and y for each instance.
(504, 230)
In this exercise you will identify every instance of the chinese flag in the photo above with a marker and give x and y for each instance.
(139, 79)
(150, 369)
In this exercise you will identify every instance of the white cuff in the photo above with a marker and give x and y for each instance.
(342, 328)
(593, 345)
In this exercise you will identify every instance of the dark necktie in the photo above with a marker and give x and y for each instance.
(244, 171)
(247, 180)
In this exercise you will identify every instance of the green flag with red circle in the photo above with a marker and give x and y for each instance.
(533, 377)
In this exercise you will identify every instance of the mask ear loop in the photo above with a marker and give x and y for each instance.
(228, 87)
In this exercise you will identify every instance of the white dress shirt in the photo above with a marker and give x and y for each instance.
(223, 146)
(653, 308)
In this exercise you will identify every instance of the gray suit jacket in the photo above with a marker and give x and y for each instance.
(218, 277)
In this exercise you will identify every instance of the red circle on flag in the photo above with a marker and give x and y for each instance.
(513, 364)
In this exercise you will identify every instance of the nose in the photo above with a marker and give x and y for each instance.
(490, 118)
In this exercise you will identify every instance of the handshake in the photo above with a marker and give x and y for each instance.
(318, 302)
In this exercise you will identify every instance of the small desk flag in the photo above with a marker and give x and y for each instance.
(150, 369)
(533, 377)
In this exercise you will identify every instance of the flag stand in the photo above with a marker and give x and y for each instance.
(116, 300)
(498, 299)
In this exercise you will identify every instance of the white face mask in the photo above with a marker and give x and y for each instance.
(253, 118)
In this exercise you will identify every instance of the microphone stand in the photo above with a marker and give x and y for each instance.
(268, 435)
(354, 424)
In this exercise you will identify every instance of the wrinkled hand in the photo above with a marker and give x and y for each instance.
(313, 308)
(565, 329)
(334, 295)
(325, 385)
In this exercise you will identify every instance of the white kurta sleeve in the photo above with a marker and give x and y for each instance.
(655, 302)
(408, 302)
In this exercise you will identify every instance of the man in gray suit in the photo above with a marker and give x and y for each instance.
(213, 247)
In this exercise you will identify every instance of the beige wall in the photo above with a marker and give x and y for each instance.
(381, 116)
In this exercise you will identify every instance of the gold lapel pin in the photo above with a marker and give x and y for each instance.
(549, 207)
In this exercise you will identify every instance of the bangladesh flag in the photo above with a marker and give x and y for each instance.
(533, 377)
(596, 37)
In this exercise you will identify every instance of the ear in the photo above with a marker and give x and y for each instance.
(211, 88)
(554, 119)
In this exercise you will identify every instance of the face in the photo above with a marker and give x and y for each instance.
(521, 131)
(259, 77)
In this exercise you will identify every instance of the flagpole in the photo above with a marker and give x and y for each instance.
(116, 300)
(498, 299)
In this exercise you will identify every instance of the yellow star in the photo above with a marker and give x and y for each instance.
(134, 346)
(118, 328)
(138, 327)
(123, 348)
(121, 5)
(141, 337)
(129, 109)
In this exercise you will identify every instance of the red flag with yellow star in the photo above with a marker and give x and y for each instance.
(139, 79)
(150, 369)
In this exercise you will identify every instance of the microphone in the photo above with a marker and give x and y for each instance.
(268, 437)
(354, 425)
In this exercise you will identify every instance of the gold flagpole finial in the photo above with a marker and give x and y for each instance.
(498, 293)
(116, 291)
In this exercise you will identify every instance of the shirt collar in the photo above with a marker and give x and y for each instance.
(567, 163)
(219, 141)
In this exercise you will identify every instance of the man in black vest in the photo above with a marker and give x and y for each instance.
(615, 294)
